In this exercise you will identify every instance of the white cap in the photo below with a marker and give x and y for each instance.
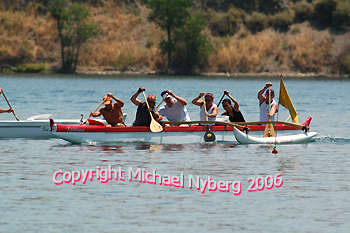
(165, 95)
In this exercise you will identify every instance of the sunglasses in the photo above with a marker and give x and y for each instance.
(208, 100)
(151, 101)
(225, 105)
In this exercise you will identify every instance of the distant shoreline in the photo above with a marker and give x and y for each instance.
(221, 74)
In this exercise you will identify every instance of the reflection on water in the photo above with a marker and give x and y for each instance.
(314, 196)
(116, 149)
(287, 164)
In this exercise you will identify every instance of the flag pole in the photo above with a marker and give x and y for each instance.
(274, 151)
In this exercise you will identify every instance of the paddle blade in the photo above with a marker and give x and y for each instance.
(155, 126)
(209, 136)
(94, 122)
(269, 131)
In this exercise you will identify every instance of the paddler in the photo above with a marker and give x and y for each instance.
(265, 114)
(233, 112)
(4, 110)
(174, 108)
(112, 112)
(143, 118)
(211, 110)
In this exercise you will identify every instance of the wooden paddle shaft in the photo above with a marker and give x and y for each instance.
(162, 101)
(221, 99)
(95, 110)
(154, 126)
(8, 103)
(147, 104)
(269, 102)
(205, 108)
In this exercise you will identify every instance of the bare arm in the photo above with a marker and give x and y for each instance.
(119, 102)
(215, 112)
(134, 99)
(261, 96)
(273, 110)
(181, 100)
(198, 102)
(4, 110)
(155, 114)
(96, 114)
(236, 105)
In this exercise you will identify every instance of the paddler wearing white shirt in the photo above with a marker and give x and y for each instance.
(265, 114)
(174, 108)
(211, 108)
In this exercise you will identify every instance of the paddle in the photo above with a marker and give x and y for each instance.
(269, 130)
(221, 99)
(162, 101)
(9, 105)
(95, 110)
(209, 136)
(154, 126)
(94, 122)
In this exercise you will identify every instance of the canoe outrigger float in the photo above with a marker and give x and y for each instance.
(244, 138)
(190, 133)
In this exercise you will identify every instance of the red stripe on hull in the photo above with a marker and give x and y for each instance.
(97, 128)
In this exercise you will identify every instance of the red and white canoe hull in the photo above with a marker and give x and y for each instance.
(92, 134)
(180, 137)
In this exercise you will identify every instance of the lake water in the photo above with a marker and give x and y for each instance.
(314, 195)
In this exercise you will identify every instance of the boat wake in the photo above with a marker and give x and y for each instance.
(329, 138)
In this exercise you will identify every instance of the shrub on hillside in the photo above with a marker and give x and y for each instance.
(323, 11)
(31, 68)
(302, 11)
(341, 63)
(281, 21)
(223, 24)
(341, 15)
(257, 22)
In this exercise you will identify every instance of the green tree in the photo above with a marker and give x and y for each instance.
(74, 29)
(194, 46)
(169, 15)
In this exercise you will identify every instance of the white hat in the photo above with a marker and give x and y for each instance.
(165, 95)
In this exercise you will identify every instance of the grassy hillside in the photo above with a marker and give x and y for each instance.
(128, 41)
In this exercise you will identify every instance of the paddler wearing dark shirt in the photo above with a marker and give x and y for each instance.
(143, 118)
(235, 115)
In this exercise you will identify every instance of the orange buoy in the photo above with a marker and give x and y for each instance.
(274, 151)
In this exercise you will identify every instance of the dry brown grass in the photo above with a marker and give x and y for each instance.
(130, 42)
(303, 50)
(125, 42)
(25, 38)
(245, 54)
(309, 55)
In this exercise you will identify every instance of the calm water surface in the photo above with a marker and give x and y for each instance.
(314, 196)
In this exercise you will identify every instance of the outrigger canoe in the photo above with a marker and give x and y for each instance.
(245, 138)
(35, 127)
(92, 134)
